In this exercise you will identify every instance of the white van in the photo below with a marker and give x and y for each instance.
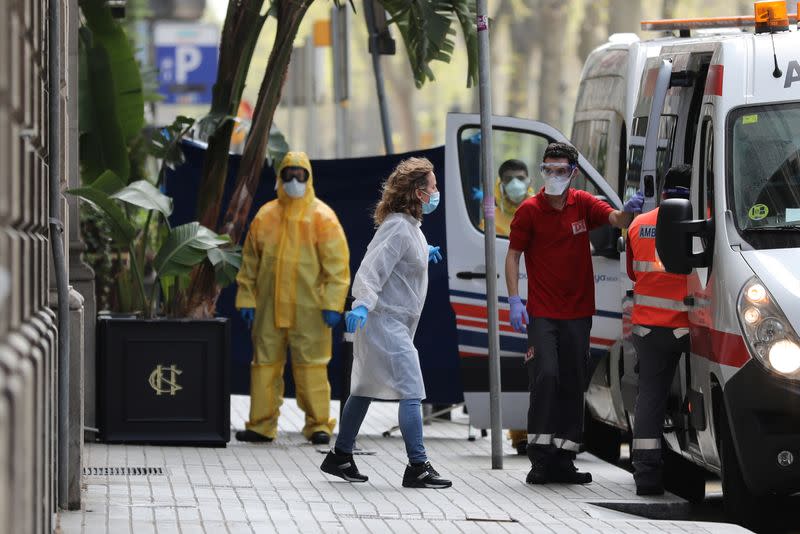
(728, 103)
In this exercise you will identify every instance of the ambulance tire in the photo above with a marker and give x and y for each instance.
(740, 505)
(602, 440)
(683, 478)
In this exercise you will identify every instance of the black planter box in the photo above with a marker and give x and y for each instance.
(163, 381)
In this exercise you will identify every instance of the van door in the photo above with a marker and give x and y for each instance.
(512, 139)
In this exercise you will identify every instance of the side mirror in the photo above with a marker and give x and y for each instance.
(674, 232)
(604, 238)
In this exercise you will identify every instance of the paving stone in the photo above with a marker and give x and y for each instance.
(277, 487)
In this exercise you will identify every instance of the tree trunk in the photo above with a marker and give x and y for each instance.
(243, 23)
(592, 30)
(624, 16)
(203, 291)
(553, 22)
(668, 8)
(523, 31)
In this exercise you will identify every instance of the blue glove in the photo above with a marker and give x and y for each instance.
(519, 315)
(356, 319)
(331, 317)
(434, 255)
(477, 194)
(635, 203)
(248, 314)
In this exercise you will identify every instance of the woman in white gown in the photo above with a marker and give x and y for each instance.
(389, 290)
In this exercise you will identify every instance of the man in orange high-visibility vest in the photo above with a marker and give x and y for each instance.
(660, 334)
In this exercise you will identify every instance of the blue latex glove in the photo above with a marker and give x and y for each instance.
(635, 203)
(434, 255)
(519, 315)
(356, 319)
(477, 194)
(331, 317)
(248, 314)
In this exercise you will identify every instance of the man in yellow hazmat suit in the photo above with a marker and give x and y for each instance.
(292, 286)
(511, 188)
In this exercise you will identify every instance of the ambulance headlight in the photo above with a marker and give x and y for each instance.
(769, 335)
(784, 357)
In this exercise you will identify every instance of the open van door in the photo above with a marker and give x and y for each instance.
(524, 140)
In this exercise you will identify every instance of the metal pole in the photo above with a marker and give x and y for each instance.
(57, 243)
(485, 85)
(369, 13)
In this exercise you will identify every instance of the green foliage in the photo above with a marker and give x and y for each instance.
(186, 246)
(142, 194)
(170, 253)
(98, 194)
(426, 27)
(108, 35)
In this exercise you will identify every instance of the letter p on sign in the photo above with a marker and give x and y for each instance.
(187, 59)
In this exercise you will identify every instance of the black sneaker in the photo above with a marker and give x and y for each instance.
(424, 476)
(320, 438)
(564, 471)
(252, 436)
(342, 466)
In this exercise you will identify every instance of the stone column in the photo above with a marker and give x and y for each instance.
(81, 275)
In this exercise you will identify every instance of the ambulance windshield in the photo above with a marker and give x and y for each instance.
(764, 161)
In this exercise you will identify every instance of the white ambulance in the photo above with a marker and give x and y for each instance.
(726, 100)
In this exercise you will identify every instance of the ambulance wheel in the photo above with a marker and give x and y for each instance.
(739, 503)
(602, 440)
(683, 478)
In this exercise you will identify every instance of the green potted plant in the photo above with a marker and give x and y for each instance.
(160, 377)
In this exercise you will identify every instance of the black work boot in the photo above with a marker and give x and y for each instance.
(423, 475)
(252, 436)
(648, 471)
(563, 470)
(343, 466)
(320, 438)
(540, 457)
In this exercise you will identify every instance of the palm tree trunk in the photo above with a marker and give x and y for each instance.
(203, 291)
(553, 22)
(243, 23)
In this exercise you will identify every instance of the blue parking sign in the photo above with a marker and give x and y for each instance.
(186, 57)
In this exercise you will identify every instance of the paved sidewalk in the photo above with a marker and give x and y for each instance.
(278, 487)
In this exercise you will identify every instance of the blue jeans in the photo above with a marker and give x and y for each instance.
(409, 415)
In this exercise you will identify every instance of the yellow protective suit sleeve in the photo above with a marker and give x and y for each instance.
(334, 259)
(246, 294)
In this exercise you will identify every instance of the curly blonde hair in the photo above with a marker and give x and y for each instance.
(399, 190)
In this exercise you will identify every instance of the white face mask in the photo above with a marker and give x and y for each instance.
(555, 186)
(516, 190)
(294, 188)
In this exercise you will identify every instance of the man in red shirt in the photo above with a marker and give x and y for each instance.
(552, 230)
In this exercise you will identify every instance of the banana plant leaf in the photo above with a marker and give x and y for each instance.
(98, 195)
(127, 80)
(165, 143)
(226, 262)
(426, 28)
(186, 246)
(102, 143)
(144, 195)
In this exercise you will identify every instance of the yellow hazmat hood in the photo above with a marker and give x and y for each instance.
(296, 159)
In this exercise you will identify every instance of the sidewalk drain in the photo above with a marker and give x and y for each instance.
(419, 517)
(122, 471)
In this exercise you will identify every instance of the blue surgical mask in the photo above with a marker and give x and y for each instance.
(430, 205)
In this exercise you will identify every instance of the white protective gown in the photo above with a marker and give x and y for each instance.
(391, 283)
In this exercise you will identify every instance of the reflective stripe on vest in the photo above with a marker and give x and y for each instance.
(659, 302)
(648, 266)
(658, 295)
